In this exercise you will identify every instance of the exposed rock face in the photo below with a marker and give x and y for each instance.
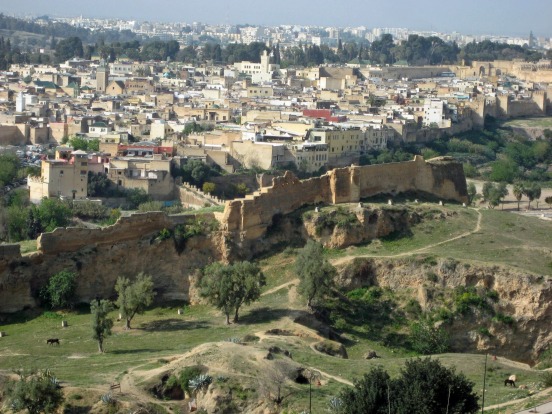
(525, 297)
(370, 224)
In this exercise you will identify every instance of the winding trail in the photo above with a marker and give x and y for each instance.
(477, 228)
(282, 286)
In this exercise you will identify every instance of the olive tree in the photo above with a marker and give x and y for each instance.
(423, 386)
(101, 322)
(316, 274)
(134, 297)
(228, 287)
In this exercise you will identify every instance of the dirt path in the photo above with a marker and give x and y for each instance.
(477, 228)
(282, 286)
(542, 393)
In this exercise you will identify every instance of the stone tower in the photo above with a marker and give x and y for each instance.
(102, 77)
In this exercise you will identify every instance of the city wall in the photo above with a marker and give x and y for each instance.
(132, 245)
(250, 217)
(100, 256)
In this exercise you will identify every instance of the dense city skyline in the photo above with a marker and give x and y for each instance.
(497, 17)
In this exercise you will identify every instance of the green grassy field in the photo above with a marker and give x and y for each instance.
(530, 122)
(160, 334)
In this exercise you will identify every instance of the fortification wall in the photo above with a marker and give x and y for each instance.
(190, 195)
(413, 72)
(131, 246)
(71, 239)
(100, 256)
(251, 216)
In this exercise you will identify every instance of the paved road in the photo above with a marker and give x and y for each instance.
(545, 408)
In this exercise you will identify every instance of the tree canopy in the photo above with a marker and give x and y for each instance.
(36, 392)
(424, 386)
(101, 322)
(134, 297)
(60, 289)
(316, 274)
(228, 287)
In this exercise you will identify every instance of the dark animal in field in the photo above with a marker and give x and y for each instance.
(510, 382)
(52, 341)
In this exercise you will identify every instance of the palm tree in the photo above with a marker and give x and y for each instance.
(518, 191)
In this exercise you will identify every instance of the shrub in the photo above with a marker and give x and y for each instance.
(150, 206)
(413, 307)
(250, 338)
(485, 331)
(164, 234)
(444, 314)
(59, 290)
(466, 298)
(432, 277)
(373, 294)
(492, 295)
(135, 197)
(114, 215)
(505, 319)
(426, 338)
(546, 378)
(89, 210)
(209, 187)
(356, 293)
(186, 375)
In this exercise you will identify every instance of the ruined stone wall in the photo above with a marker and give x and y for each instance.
(251, 216)
(100, 256)
(131, 246)
(63, 240)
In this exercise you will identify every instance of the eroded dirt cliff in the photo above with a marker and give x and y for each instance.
(523, 300)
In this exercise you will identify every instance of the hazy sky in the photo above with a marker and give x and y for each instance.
(511, 17)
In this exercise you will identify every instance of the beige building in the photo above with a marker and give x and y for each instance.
(344, 145)
(255, 91)
(153, 175)
(65, 176)
(309, 157)
(263, 155)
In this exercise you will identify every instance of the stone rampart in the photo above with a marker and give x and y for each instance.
(251, 216)
(64, 240)
(100, 256)
(10, 251)
(131, 246)
(190, 195)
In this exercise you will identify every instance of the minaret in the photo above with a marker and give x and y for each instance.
(265, 62)
(102, 77)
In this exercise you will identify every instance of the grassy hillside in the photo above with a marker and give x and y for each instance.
(161, 335)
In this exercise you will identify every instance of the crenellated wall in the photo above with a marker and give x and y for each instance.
(250, 217)
(132, 245)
